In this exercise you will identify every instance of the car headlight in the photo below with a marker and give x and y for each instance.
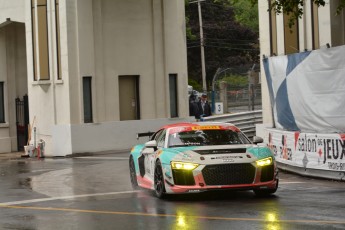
(183, 165)
(264, 162)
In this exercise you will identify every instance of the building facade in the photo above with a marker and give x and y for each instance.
(318, 28)
(96, 72)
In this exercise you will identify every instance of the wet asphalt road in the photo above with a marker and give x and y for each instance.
(95, 193)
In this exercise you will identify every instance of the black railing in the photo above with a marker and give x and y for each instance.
(22, 122)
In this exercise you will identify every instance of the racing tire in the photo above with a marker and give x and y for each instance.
(159, 181)
(133, 174)
(266, 192)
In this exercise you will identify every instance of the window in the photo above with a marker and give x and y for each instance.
(161, 139)
(290, 36)
(40, 39)
(87, 97)
(2, 103)
(315, 25)
(273, 32)
(58, 47)
(173, 95)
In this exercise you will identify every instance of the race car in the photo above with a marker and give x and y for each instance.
(202, 156)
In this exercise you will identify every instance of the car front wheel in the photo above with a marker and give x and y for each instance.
(133, 174)
(266, 192)
(159, 181)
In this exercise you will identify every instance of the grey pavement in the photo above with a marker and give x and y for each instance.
(12, 155)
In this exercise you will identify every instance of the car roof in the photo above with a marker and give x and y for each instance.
(193, 124)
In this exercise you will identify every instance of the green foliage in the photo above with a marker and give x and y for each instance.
(246, 13)
(235, 80)
(196, 85)
(189, 33)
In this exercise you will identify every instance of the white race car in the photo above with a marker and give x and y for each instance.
(197, 157)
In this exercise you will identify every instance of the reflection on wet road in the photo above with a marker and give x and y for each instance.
(94, 192)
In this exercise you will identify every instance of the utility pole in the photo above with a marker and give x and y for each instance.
(203, 68)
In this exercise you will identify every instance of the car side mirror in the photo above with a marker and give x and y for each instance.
(257, 140)
(151, 144)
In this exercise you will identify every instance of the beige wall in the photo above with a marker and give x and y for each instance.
(103, 39)
(13, 9)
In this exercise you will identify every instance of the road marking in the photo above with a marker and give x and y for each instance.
(64, 198)
(292, 182)
(103, 158)
(170, 215)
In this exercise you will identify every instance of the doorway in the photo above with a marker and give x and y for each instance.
(129, 97)
(22, 122)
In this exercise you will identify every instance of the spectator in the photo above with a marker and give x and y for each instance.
(192, 104)
(203, 108)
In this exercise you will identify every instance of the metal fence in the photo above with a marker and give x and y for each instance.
(239, 89)
(239, 98)
(245, 121)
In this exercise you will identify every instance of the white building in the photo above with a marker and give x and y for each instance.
(96, 72)
(318, 28)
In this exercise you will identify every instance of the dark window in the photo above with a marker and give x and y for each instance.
(58, 49)
(87, 96)
(173, 95)
(315, 25)
(33, 26)
(273, 32)
(2, 103)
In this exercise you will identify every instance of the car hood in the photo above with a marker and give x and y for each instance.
(220, 153)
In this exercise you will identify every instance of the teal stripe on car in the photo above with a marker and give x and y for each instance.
(260, 152)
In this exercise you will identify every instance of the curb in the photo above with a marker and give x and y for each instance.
(316, 173)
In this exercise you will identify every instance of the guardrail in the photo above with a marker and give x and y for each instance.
(245, 121)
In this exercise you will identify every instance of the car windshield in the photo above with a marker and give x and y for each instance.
(207, 137)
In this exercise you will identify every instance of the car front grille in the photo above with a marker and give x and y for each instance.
(267, 173)
(229, 174)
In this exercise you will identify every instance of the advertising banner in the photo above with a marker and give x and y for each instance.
(308, 150)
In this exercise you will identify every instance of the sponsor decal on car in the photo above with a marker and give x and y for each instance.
(228, 160)
(206, 127)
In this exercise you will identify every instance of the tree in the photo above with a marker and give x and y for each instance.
(294, 7)
(245, 13)
(227, 41)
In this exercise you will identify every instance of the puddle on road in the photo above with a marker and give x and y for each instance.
(25, 183)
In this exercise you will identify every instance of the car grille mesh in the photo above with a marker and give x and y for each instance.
(229, 174)
(267, 173)
(183, 177)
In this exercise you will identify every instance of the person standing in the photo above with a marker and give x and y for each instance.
(192, 104)
(203, 108)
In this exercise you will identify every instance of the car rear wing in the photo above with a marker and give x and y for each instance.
(147, 134)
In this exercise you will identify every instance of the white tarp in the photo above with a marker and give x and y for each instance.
(307, 90)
